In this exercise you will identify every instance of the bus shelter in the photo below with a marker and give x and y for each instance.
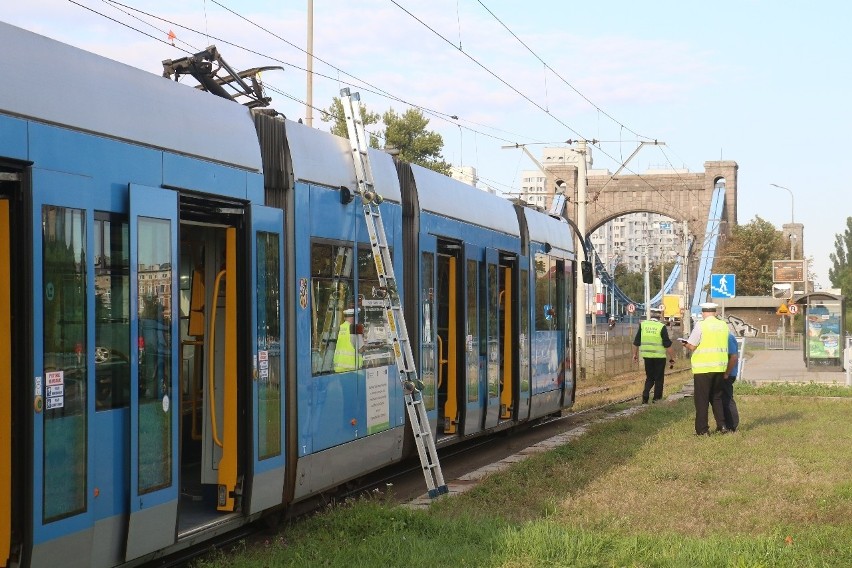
(824, 330)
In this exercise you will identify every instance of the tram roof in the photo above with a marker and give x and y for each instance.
(451, 198)
(322, 158)
(546, 229)
(61, 84)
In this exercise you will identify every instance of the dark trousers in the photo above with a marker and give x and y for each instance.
(708, 391)
(729, 405)
(655, 374)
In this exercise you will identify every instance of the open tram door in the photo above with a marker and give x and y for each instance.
(447, 309)
(154, 384)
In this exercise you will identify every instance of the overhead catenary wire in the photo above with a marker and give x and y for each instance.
(362, 86)
(367, 87)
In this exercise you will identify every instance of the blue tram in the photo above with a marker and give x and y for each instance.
(190, 328)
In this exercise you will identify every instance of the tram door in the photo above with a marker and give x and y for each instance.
(447, 313)
(209, 343)
(5, 384)
(268, 382)
(473, 370)
(154, 370)
(63, 491)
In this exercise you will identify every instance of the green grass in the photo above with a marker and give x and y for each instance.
(638, 491)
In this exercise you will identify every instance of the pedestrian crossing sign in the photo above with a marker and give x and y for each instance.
(723, 285)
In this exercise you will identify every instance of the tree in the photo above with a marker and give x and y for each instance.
(336, 115)
(631, 283)
(840, 273)
(406, 132)
(748, 253)
(416, 145)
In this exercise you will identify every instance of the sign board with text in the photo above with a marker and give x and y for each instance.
(788, 271)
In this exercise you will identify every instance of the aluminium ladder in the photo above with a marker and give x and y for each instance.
(397, 331)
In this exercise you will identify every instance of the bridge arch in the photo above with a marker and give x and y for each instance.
(684, 196)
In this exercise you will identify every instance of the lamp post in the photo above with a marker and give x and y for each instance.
(792, 200)
(792, 240)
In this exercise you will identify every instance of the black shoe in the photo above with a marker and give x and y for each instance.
(722, 430)
(702, 433)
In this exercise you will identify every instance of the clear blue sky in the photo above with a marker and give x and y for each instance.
(764, 83)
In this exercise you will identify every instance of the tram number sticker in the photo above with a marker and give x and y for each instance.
(37, 385)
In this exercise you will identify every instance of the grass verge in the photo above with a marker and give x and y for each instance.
(639, 491)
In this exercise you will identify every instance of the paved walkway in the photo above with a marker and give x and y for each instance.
(776, 366)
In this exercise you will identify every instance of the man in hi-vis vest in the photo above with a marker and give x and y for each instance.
(653, 344)
(346, 355)
(708, 343)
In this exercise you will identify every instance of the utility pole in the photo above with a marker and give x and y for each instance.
(686, 316)
(580, 308)
(309, 99)
(647, 286)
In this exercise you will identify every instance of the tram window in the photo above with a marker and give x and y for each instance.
(545, 296)
(523, 340)
(376, 351)
(494, 353)
(331, 294)
(64, 257)
(269, 340)
(428, 347)
(154, 313)
(472, 332)
(112, 311)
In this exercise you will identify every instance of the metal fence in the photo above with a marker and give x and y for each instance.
(607, 352)
(779, 341)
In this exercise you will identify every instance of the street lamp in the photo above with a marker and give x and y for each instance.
(792, 207)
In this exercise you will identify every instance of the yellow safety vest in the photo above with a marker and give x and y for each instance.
(711, 355)
(345, 356)
(650, 335)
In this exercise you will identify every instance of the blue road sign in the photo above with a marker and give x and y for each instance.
(723, 285)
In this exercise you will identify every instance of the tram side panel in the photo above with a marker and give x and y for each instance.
(102, 388)
(468, 247)
(349, 414)
(551, 284)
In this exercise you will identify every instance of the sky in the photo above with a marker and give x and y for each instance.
(765, 83)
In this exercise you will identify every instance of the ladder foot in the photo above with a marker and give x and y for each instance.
(438, 491)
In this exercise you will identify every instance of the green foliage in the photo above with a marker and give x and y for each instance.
(416, 145)
(631, 283)
(406, 132)
(840, 273)
(337, 117)
(748, 252)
